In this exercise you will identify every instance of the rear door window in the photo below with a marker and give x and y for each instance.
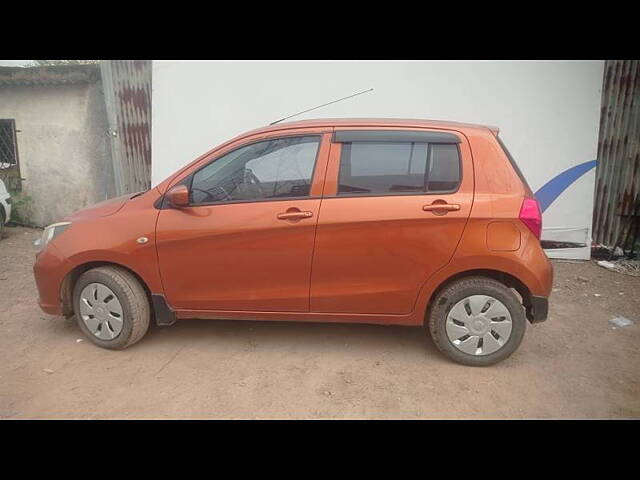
(396, 168)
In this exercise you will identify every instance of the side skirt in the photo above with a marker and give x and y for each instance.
(376, 319)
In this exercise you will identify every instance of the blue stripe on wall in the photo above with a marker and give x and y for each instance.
(551, 190)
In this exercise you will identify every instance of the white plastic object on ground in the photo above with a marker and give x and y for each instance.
(607, 265)
(621, 322)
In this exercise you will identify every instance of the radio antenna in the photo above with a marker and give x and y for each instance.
(320, 106)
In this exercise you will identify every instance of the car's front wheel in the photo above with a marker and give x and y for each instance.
(477, 321)
(111, 307)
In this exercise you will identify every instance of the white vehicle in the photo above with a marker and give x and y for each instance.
(5, 206)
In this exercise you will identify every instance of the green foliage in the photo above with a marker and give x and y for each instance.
(21, 208)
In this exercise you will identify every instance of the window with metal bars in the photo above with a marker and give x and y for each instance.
(9, 161)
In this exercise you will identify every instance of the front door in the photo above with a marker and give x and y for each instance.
(245, 242)
(395, 206)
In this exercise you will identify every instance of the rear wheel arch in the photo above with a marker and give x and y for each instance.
(506, 279)
(476, 320)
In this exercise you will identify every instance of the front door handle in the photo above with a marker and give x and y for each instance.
(294, 215)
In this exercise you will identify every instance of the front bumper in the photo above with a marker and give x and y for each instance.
(538, 310)
(49, 271)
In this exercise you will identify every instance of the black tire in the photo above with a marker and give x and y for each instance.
(2, 219)
(132, 297)
(446, 299)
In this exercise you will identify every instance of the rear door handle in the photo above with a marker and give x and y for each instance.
(448, 207)
(294, 215)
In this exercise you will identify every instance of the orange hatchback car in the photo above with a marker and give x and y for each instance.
(394, 222)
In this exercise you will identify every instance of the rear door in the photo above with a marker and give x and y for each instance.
(394, 207)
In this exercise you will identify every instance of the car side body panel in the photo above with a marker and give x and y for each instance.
(485, 234)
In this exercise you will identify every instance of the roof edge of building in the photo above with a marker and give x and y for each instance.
(49, 75)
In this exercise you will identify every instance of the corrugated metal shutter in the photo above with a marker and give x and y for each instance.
(127, 91)
(617, 196)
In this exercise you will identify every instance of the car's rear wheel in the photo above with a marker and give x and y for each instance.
(477, 321)
(2, 220)
(111, 307)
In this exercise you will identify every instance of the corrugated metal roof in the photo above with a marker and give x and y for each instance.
(51, 75)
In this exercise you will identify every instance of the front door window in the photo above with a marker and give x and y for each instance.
(271, 169)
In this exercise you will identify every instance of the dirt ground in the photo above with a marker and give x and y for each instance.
(575, 365)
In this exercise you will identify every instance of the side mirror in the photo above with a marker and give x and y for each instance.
(178, 196)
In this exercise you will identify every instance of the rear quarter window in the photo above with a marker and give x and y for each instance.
(513, 163)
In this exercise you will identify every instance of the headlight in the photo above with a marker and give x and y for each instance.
(50, 233)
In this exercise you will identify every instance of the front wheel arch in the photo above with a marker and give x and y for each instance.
(69, 282)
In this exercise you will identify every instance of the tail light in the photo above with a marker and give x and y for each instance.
(530, 215)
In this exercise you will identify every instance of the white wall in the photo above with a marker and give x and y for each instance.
(548, 112)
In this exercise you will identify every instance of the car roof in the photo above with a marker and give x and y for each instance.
(374, 122)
